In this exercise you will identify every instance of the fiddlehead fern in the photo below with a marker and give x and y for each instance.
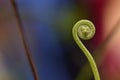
(85, 30)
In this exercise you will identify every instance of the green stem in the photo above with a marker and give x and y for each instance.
(86, 52)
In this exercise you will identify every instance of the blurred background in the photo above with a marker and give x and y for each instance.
(47, 26)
